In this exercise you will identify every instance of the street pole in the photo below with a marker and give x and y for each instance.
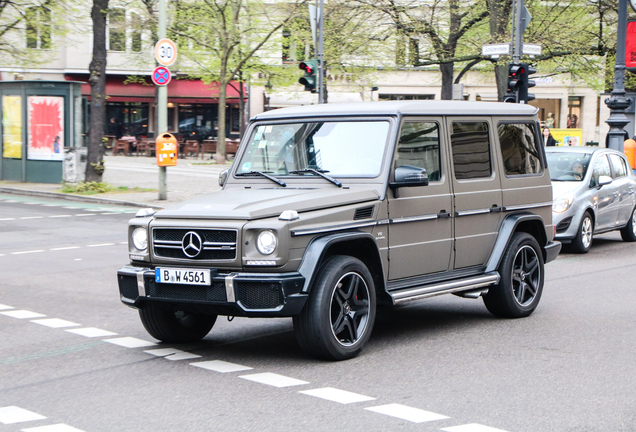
(517, 33)
(321, 63)
(618, 103)
(162, 106)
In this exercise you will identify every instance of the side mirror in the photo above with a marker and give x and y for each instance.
(408, 176)
(604, 180)
(223, 177)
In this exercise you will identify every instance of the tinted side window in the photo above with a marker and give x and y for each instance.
(419, 146)
(519, 149)
(601, 168)
(471, 150)
(618, 166)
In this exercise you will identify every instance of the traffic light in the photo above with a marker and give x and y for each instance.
(524, 96)
(309, 78)
(515, 82)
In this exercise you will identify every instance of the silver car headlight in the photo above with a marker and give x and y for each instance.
(563, 203)
(266, 242)
(140, 238)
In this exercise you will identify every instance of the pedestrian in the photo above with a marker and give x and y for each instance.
(574, 121)
(548, 139)
(114, 128)
(569, 121)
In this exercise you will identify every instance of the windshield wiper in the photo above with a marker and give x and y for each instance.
(318, 173)
(263, 174)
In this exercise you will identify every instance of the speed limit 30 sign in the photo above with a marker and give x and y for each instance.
(166, 52)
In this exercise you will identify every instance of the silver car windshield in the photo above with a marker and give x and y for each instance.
(568, 166)
(347, 148)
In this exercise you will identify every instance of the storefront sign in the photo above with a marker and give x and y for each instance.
(46, 128)
(12, 126)
(568, 137)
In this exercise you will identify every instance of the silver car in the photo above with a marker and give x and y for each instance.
(593, 192)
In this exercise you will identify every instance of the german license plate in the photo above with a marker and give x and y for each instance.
(182, 276)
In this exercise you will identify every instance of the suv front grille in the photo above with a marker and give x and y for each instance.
(217, 244)
(212, 293)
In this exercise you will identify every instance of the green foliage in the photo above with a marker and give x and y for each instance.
(86, 188)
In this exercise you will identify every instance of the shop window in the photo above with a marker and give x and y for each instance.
(393, 97)
(130, 118)
(197, 121)
(38, 27)
(117, 29)
(575, 106)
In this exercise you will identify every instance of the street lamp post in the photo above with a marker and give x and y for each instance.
(618, 103)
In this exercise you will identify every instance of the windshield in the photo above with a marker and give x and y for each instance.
(349, 148)
(568, 166)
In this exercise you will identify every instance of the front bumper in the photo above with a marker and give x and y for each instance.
(233, 294)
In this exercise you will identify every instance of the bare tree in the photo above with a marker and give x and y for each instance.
(97, 81)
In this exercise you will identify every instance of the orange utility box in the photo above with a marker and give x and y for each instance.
(167, 150)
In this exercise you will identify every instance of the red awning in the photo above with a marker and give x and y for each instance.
(179, 90)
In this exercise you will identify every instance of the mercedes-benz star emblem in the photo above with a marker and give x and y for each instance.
(191, 244)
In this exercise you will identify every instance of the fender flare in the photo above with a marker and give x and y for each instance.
(316, 251)
(508, 228)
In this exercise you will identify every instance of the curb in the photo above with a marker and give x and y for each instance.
(73, 197)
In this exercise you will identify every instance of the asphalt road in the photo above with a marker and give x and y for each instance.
(440, 364)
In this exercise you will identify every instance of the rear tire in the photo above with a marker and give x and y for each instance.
(628, 232)
(175, 326)
(338, 317)
(582, 242)
(521, 285)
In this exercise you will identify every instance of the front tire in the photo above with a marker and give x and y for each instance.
(583, 240)
(338, 318)
(521, 285)
(628, 232)
(175, 326)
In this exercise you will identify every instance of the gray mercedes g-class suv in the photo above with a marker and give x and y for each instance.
(329, 210)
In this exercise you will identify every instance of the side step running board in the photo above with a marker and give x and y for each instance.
(448, 287)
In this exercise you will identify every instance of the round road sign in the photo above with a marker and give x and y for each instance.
(161, 76)
(165, 52)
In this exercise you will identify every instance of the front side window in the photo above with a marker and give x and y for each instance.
(348, 148)
(618, 166)
(601, 168)
(419, 147)
(470, 142)
(38, 27)
(519, 149)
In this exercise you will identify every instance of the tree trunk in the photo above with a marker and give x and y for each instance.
(241, 104)
(501, 75)
(447, 80)
(219, 156)
(97, 80)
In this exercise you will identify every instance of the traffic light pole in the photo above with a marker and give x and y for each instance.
(618, 103)
(516, 53)
(321, 45)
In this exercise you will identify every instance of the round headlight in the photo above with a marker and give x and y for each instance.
(266, 242)
(140, 238)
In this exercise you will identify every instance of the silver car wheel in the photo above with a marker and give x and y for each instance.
(586, 232)
(634, 222)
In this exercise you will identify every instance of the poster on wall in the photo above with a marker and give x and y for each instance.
(568, 137)
(12, 127)
(46, 128)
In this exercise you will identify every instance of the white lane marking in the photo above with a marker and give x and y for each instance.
(60, 427)
(108, 213)
(336, 395)
(52, 205)
(65, 248)
(220, 366)
(182, 356)
(5, 219)
(72, 208)
(473, 427)
(408, 413)
(55, 323)
(274, 380)
(22, 314)
(130, 342)
(91, 332)
(31, 203)
(14, 414)
(78, 259)
(32, 217)
(86, 214)
(60, 216)
(5, 307)
(102, 244)
(11, 201)
(26, 252)
(162, 352)
(123, 243)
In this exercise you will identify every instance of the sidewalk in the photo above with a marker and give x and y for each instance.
(190, 178)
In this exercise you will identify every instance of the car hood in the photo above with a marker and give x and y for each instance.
(560, 188)
(247, 204)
